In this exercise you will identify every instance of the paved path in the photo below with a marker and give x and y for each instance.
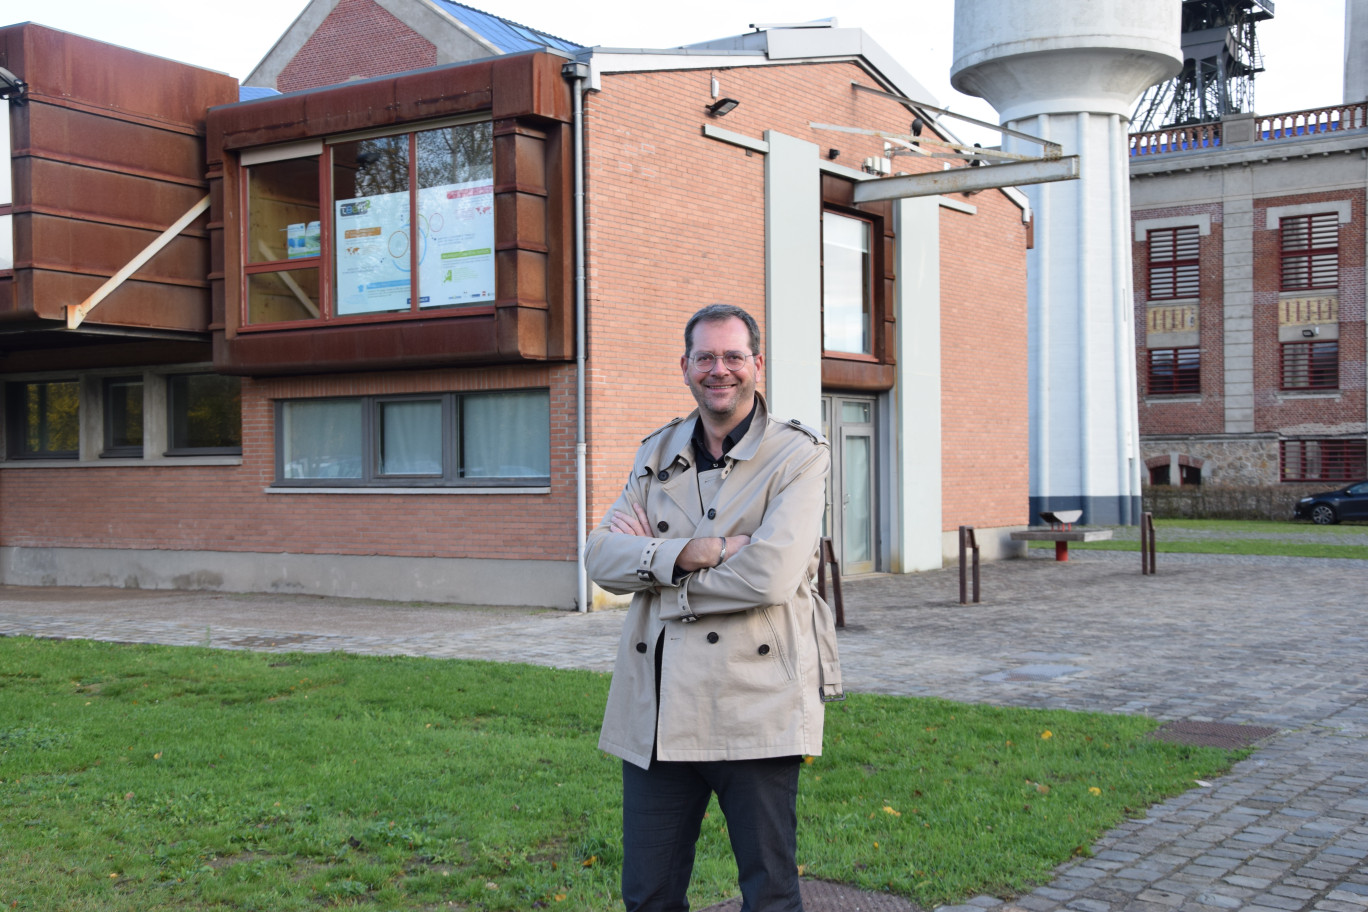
(1276, 642)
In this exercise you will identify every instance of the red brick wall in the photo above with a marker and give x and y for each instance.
(1182, 415)
(358, 39)
(1290, 413)
(985, 459)
(227, 508)
(676, 221)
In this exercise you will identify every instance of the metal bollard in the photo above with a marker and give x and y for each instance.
(967, 543)
(826, 554)
(1147, 544)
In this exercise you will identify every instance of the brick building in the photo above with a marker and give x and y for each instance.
(361, 407)
(1249, 252)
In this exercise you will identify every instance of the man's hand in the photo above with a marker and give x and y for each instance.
(698, 554)
(636, 524)
(702, 553)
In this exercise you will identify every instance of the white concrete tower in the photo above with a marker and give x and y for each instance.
(1355, 51)
(1069, 71)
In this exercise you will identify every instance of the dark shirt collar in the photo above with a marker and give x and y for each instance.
(705, 459)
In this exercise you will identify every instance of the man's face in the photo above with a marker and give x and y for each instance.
(722, 394)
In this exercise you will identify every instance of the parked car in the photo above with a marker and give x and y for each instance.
(1350, 502)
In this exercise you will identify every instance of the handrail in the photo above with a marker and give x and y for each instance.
(1176, 139)
(1268, 128)
(1293, 124)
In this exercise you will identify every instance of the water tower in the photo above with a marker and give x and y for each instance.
(1069, 71)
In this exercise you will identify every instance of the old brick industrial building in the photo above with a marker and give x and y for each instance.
(1250, 299)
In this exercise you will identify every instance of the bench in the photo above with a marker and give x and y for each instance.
(1061, 532)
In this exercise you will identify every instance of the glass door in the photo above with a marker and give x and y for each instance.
(851, 516)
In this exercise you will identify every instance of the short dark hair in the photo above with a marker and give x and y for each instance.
(715, 312)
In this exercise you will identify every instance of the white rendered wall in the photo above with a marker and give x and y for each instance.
(793, 280)
(1069, 71)
(916, 414)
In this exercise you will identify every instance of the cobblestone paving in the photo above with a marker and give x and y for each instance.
(1276, 642)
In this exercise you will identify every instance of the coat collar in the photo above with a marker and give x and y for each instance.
(678, 444)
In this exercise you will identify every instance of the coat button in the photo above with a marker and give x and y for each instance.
(712, 514)
(641, 647)
(712, 636)
(663, 475)
(764, 649)
(663, 526)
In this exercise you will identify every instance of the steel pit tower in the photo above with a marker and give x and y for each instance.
(1221, 57)
(1069, 71)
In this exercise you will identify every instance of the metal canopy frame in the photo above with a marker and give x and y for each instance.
(1015, 169)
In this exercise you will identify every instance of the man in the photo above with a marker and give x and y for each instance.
(726, 655)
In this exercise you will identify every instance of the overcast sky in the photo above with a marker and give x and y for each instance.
(1302, 46)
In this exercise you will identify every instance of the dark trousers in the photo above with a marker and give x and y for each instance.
(662, 813)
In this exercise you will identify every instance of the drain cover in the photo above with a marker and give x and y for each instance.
(1212, 734)
(820, 896)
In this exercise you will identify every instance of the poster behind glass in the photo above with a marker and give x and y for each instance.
(452, 247)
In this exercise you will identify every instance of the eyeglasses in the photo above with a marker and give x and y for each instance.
(706, 361)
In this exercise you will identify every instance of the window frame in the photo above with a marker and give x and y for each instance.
(1308, 276)
(1348, 458)
(110, 450)
(1178, 276)
(1186, 365)
(1319, 376)
(871, 302)
(452, 431)
(326, 261)
(16, 412)
(172, 423)
(93, 420)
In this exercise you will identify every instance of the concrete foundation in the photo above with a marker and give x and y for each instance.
(548, 584)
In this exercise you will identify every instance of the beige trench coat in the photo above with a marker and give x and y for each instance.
(749, 650)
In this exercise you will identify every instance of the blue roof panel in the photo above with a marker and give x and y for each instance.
(508, 37)
(248, 93)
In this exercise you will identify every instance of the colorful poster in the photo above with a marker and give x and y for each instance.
(455, 241)
(372, 243)
(459, 220)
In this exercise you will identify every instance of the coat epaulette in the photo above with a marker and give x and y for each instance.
(664, 427)
(811, 432)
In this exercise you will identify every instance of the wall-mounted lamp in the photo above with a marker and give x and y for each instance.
(833, 154)
(12, 87)
(1310, 333)
(722, 107)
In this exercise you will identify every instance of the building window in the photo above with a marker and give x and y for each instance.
(847, 284)
(1324, 460)
(204, 414)
(123, 416)
(409, 227)
(283, 241)
(1310, 252)
(1174, 268)
(448, 439)
(44, 419)
(1310, 365)
(1173, 371)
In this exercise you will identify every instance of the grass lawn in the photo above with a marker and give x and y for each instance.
(1225, 536)
(159, 778)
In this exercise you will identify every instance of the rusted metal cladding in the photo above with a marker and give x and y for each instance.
(531, 318)
(107, 153)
